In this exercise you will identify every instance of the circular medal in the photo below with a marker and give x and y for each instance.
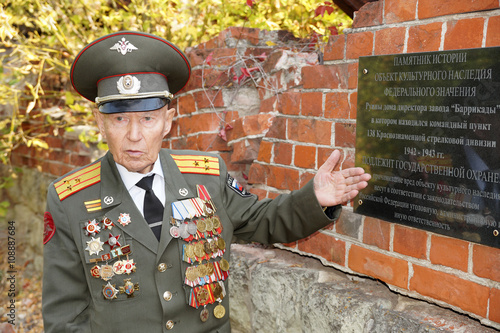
(109, 291)
(191, 228)
(209, 224)
(219, 311)
(204, 314)
(202, 296)
(174, 231)
(210, 268)
(199, 249)
(201, 225)
(207, 247)
(191, 273)
(217, 291)
(215, 222)
(213, 247)
(118, 267)
(221, 244)
(202, 271)
(183, 232)
(189, 251)
(224, 265)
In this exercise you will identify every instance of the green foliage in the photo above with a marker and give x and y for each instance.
(40, 38)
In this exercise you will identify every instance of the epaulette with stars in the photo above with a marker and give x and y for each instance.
(78, 180)
(200, 164)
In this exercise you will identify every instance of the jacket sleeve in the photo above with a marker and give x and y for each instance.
(65, 295)
(286, 218)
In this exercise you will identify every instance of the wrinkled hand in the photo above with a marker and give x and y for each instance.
(337, 187)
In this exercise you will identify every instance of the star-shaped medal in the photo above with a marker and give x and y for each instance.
(113, 241)
(124, 219)
(94, 246)
(92, 228)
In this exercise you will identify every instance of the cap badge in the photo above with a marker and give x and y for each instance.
(123, 46)
(128, 85)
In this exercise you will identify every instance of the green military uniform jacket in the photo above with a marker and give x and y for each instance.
(158, 298)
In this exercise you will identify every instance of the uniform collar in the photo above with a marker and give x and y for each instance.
(131, 178)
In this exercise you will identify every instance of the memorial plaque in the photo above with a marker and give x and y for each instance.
(428, 130)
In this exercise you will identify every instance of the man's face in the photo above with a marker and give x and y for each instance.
(135, 138)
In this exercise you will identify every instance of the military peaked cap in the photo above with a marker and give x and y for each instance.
(130, 71)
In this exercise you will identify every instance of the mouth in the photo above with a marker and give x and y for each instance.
(134, 153)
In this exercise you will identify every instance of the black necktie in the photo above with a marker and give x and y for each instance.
(153, 208)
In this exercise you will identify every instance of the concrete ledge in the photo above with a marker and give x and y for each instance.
(273, 290)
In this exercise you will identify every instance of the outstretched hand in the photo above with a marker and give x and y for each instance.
(337, 187)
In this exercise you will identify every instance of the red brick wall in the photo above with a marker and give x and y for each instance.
(274, 132)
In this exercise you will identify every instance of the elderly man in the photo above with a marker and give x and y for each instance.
(138, 241)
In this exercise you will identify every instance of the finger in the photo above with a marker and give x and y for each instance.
(331, 162)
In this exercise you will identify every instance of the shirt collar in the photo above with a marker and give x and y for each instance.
(131, 178)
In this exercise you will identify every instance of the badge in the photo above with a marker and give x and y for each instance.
(219, 311)
(95, 271)
(49, 228)
(183, 191)
(128, 266)
(129, 288)
(117, 252)
(233, 185)
(118, 267)
(113, 241)
(128, 84)
(123, 47)
(91, 228)
(94, 246)
(124, 219)
(174, 231)
(109, 291)
(108, 200)
(107, 272)
(108, 224)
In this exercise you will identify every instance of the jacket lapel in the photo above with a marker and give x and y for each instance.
(114, 195)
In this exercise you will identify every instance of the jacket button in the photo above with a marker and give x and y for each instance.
(162, 267)
(169, 325)
(167, 295)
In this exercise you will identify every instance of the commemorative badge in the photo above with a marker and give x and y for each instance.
(109, 291)
(128, 288)
(108, 224)
(106, 272)
(113, 241)
(124, 219)
(91, 228)
(94, 246)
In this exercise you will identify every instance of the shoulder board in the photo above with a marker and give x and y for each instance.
(200, 164)
(78, 180)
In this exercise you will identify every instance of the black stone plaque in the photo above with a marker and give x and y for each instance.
(428, 130)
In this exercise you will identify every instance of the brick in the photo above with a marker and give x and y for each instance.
(305, 157)
(345, 135)
(268, 104)
(278, 129)
(352, 75)
(249, 34)
(433, 8)
(312, 104)
(410, 242)
(283, 153)
(377, 232)
(386, 268)
(257, 174)
(449, 252)
(272, 195)
(390, 41)
(265, 151)
(325, 77)
(290, 103)
(353, 104)
(245, 151)
(494, 305)
(335, 48)
(204, 122)
(208, 98)
(186, 104)
(256, 124)
(467, 295)
(369, 15)
(348, 224)
(282, 178)
(486, 262)
(209, 142)
(424, 38)
(337, 105)
(359, 44)
(400, 11)
(324, 246)
(492, 35)
(305, 177)
(464, 34)
(310, 130)
(323, 154)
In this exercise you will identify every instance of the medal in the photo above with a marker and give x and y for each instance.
(118, 267)
(219, 311)
(224, 265)
(202, 296)
(215, 222)
(191, 273)
(217, 291)
(201, 226)
(189, 251)
(109, 291)
(126, 250)
(191, 228)
(108, 224)
(174, 231)
(124, 219)
(113, 241)
(94, 246)
(128, 266)
(107, 272)
(129, 288)
(91, 228)
(95, 271)
(183, 232)
(117, 252)
(221, 244)
(199, 250)
(209, 224)
(204, 314)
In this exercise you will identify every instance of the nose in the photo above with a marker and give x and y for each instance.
(134, 132)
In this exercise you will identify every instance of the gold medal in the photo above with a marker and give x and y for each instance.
(224, 265)
(201, 225)
(199, 250)
(202, 271)
(221, 244)
(191, 273)
(210, 268)
(202, 296)
(219, 311)
(207, 247)
(209, 224)
(217, 290)
(189, 251)
(215, 222)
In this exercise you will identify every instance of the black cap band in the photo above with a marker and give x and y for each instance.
(131, 105)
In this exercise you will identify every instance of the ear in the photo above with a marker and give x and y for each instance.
(169, 118)
(100, 122)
